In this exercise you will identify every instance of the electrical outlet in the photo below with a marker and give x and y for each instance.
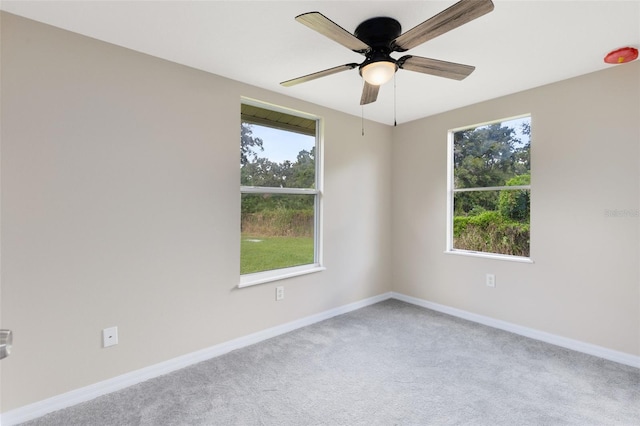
(109, 337)
(279, 293)
(491, 280)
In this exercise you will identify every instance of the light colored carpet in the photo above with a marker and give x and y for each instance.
(387, 364)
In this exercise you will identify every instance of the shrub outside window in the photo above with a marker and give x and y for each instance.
(280, 195)
(490, 189)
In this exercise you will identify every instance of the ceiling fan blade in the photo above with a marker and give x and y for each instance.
(459, 14)
(435, 67)
(325, 26)
(369, 93)
(318, 74)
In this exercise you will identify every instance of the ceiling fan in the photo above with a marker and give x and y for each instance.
(376, 38)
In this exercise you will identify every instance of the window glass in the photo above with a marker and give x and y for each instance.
(277, 158)
(491, 188)
(277, 231)
(279, 193)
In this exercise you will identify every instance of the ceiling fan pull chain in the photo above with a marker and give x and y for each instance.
(362, 118)
(395, 112)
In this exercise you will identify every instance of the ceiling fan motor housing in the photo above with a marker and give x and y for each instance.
(378, 33)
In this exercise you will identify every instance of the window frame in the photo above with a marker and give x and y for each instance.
(247, 280)
(451, 191)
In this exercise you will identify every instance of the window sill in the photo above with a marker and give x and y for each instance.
(248, 280)
(493, 256)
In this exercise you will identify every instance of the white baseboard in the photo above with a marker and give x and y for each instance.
(576, 345)
(68, 399)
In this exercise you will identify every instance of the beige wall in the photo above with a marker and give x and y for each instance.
(120, 207)
(584, 284)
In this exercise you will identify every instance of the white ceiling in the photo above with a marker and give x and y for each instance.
(520, 45)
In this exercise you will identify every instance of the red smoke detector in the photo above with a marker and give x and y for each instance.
(620, 56)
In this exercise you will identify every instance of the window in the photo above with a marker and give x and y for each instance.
(490, 188)
(280, 194)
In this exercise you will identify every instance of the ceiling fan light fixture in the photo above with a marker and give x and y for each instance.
(378, 73)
